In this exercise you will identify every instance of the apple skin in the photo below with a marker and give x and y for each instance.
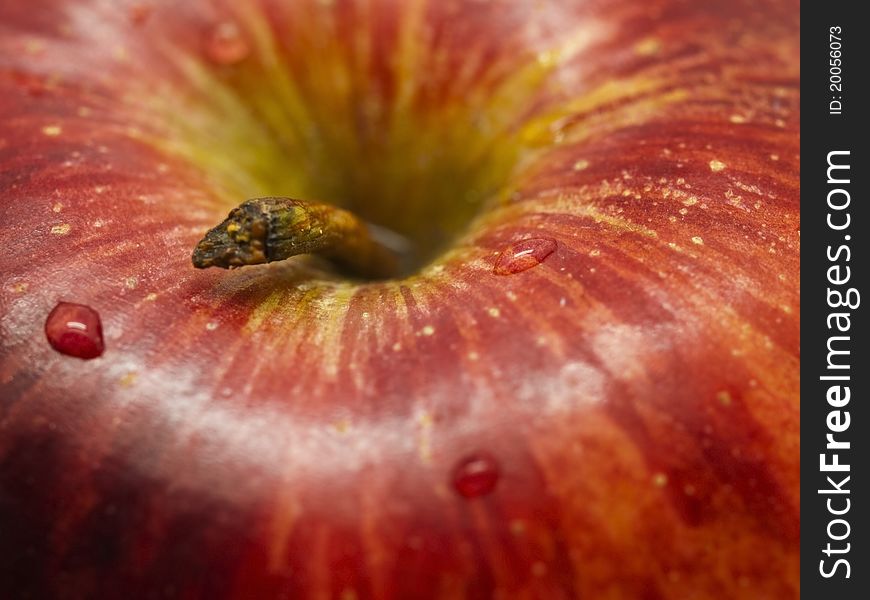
(278, 432)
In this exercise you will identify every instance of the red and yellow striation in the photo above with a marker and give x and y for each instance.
(282, 431)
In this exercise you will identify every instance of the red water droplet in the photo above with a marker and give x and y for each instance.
(75, 330)
(523, 255)
(225, 44)
(476, 475)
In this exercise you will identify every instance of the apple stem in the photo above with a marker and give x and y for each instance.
(265, 230)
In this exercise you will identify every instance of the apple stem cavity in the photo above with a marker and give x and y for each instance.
(264, 230)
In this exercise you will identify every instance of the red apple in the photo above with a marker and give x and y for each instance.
(585, 385)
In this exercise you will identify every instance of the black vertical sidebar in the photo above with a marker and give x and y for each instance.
(835, 368)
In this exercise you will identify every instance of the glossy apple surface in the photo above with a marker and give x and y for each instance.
(616, 417)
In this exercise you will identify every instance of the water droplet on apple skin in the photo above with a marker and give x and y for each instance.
(75, 330)
(225, 45)
(523, 255)
(476, 475)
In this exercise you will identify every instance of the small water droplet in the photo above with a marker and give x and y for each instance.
(225, 44)
(75, 330)
(476, 475)
(524, 255)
